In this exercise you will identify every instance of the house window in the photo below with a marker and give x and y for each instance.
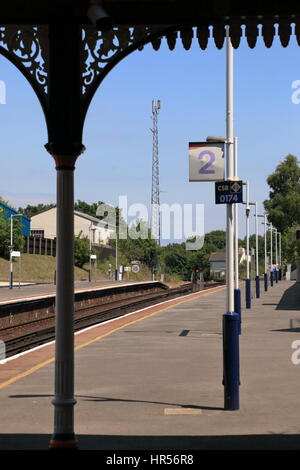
(37, 233)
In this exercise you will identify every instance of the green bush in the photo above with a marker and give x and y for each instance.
(81, 250)
(18, 240)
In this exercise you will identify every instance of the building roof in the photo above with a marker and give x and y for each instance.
(87, 216)
(95, 220)
(9, 210)
(218, 256)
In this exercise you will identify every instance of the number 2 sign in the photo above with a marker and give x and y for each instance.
(206, 161)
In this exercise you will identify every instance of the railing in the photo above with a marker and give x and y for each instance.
(39, 246)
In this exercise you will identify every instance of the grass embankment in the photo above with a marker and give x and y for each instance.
(40, 268)
(34, 268)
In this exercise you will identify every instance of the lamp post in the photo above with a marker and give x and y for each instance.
(231, 319)
(234, 286)
(248, 279)
(280, 265)
(11, 247)
(237, 291)
(276, 255)
(271, 256)
(257, 279)
(90, 252)
(116, 268)
(265, 249)
(266, 267)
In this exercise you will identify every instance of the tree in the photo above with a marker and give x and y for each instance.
(252, 244)
(4, 201)
(138, 245)
(283, 205)
(18, 240)
(90, 209)
(81, 250)
(290, 246)
(216, 239)
(29, 210)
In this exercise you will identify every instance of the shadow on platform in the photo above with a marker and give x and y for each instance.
(290, 299)
(123, 400)
(158, 443)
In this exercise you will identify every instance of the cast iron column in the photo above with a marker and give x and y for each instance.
(64, 400)
(65, 123)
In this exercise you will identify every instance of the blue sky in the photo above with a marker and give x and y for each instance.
(191, 87)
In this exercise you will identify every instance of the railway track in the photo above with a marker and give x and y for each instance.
(37, 332)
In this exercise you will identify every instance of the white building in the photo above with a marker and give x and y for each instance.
(217, 261)
(43, 225)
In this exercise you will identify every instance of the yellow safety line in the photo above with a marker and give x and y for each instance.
(27, 372)
(87, 343)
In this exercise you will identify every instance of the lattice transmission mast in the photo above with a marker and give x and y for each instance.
(155, 192)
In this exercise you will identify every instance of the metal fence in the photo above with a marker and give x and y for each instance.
(40, 246)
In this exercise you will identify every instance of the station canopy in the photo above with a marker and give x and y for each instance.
(200, 19)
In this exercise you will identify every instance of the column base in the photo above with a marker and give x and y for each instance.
(257, 286)
(237, 307)
(266, 282)
(63, 441)
(231, 367)
(248, 293)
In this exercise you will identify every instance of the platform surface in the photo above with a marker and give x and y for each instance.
(153, 380)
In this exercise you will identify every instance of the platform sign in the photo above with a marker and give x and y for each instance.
(229, 192)
(15, 254)
(135, 268)
(206, 161)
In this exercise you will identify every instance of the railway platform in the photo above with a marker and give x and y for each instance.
(44, 290)
(153, 380)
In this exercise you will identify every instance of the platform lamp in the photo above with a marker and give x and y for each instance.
(237, 292)
(11, 247)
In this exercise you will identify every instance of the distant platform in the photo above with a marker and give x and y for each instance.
(6, 284)
(35, 291)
